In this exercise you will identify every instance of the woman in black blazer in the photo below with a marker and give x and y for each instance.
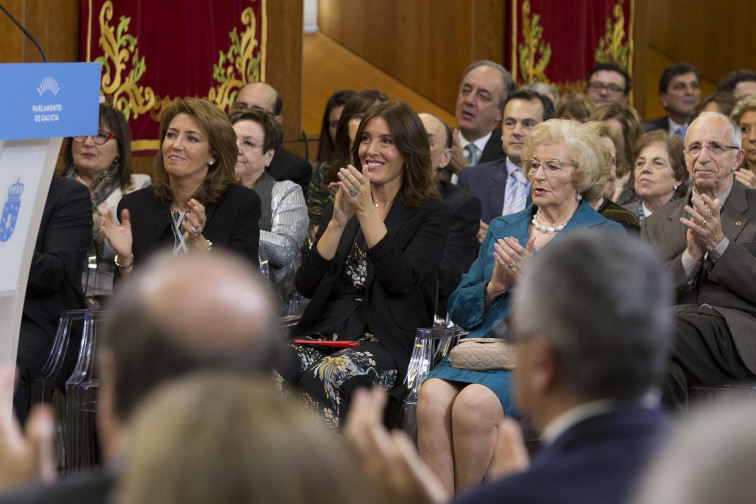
(371, 274)
(193, 203)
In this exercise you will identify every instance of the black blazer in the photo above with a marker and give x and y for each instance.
(401, 275)
(286, 165)
(60, 252)
(494, 149)
(232, 224)
(462, 243)
(488, 181)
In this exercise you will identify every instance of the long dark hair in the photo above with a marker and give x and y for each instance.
(325, 144)
(411, 140)
(359, 103)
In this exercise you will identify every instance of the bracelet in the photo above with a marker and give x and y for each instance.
(209, 246)
(124, 266)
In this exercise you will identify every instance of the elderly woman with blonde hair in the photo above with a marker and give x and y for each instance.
(459, 410)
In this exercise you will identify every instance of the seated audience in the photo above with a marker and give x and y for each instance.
(157, 329)
(660, 175)
(500, 184)
(721, 103)
(710, 458)
(102, 162)
(608, 83)
(484, 89)
(626, 122)
(371, 274)
(283, 214)
(744, 116)
(331, 115)
(740, 83)
(707, 241)
(618, 167)
(462, 243)
(679, 94)
(324, 183)
(193, 203)
(228, 438)
(54, 284)
(458, 410)
(575, 106)
(285, 164)
(589, 361)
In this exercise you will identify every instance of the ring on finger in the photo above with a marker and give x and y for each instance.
(353, 192)
(197, 229)
(703, 223)
(512, 264)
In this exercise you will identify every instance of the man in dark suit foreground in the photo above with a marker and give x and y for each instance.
(162, 324)
(709, 243)
(461, 245)
(591, 324)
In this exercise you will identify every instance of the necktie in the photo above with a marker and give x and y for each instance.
(681, 131)
(471, 153)
(517, 197)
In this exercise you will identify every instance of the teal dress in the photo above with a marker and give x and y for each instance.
(467, 306)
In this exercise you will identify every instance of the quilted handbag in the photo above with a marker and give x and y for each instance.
(482, 354)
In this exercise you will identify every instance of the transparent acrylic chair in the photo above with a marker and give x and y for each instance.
(81, 400)
(431, 345)
(59, 361)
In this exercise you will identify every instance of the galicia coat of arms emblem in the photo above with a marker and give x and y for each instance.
(10, 211)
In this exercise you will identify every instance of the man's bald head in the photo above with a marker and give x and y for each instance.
(183, 313)
(440, 139)
(259, 95)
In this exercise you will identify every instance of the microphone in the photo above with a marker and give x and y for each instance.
(44, 57)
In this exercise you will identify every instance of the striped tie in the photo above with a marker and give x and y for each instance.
(471, 154)
(518, 195)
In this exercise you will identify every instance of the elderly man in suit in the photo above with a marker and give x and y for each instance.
(501, 184)
(588, 363)
(461, 245)
(709, 242)
(679, 93)
(485, 85)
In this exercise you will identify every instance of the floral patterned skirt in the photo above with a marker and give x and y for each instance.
(327, 376)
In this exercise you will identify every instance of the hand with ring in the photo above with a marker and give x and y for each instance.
(194, 224)
(510, 259)
(357, 186)
(704, 225)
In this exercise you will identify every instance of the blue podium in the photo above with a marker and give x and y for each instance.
(40, 103)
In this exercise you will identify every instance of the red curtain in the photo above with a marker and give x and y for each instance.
(558, 42)
(152, 52)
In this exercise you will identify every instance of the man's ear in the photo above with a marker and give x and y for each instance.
(445, 158)
(543, 364)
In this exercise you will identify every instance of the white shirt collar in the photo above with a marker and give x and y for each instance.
(572, 417)
(511, 167)
(673, 126)
(479, 144)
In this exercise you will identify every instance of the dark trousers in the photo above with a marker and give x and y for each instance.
(703, 354)
(34, 344)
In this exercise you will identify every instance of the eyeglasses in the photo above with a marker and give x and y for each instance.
(715, 148)
(600, 86)
(247, 145)
(551, 167)
(100, 138)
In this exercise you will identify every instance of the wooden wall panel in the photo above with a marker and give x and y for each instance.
(58, 34)
(640, 56)
(284, 65)
(425, 44)
(715, 36)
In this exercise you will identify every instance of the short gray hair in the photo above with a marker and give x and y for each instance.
(602, 302)
(509, 83)
(737, 135)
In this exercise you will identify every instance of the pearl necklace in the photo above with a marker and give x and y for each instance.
(545, 229)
